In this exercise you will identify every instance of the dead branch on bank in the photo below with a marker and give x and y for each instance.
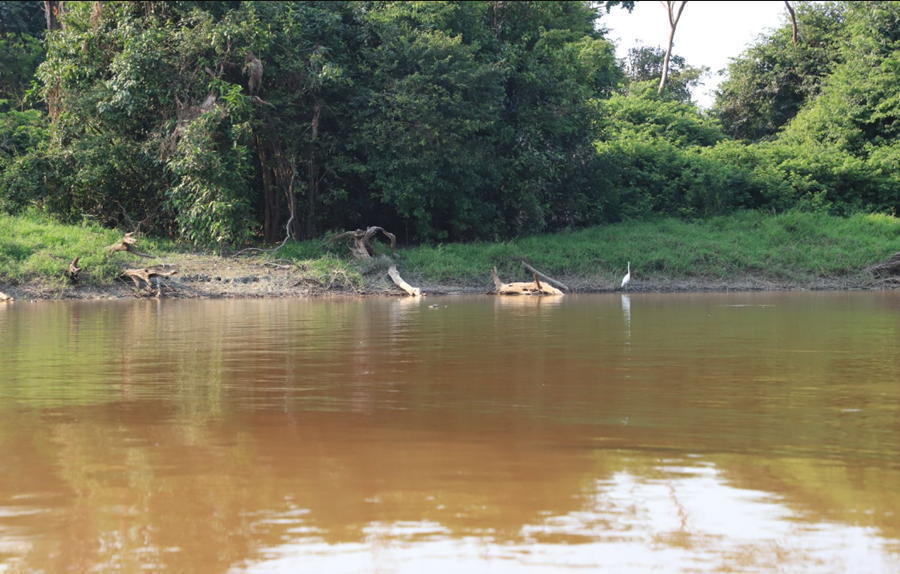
(410, 290)
(527, 263)
(147, 276)
(522, 288)
(888, 268)
(360, 241)
(128, 244)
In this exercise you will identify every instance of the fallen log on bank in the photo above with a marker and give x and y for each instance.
(128, 244)
(146, 275)
(527, 263)
(4, 298)
(522, 288)
(410, 290)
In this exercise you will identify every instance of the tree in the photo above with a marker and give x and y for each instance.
(221, 121)
(674, 10)
(645, 64)
(768, 84)
(21, 51)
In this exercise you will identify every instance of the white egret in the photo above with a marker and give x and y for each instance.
(627, 278)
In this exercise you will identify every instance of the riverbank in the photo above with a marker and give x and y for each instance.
(743, 251)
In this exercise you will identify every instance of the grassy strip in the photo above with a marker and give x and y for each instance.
(36, 249)
(793, 247)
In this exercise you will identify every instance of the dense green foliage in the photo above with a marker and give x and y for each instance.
(224, 123)
(769, 83)
(217, 121)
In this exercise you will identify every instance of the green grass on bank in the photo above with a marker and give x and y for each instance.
(793, 247)
(34, 248)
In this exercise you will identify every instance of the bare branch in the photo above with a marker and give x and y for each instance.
(527, 263)
(360, 241)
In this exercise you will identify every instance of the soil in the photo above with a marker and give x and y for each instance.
(205, 276)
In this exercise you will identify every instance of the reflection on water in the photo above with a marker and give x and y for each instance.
(723, 433)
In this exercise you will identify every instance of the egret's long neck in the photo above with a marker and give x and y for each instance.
(629, 266)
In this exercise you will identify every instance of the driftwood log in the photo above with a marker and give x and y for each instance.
(128, 244)
(360, 241)
(73, 271)
(527, 263)
(523, 288)
(145, 275)
(410, 290)
(5, 298)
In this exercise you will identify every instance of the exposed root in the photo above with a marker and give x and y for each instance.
(360, 241)
(888, 268)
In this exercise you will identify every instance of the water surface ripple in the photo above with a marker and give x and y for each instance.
(622, 433)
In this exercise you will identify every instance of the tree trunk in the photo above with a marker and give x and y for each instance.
(399, 282)
(673, 23)
(285, 174)
(793, 21)
(665, 70)
(270, 197)
(53, 9)
(522, 288)
(312, 187)
(309, 222)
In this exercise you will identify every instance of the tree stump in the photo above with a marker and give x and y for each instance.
(522, 288)
(73, 272)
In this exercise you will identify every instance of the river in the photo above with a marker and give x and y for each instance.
(739, 432)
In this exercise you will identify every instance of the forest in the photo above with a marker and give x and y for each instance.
(223, 124)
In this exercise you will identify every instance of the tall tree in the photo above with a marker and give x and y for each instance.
(673, 10)
(768, 84)
(644, 64)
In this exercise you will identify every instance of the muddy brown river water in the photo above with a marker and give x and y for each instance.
(642, 433)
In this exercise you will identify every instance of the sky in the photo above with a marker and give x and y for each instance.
(708, 34)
